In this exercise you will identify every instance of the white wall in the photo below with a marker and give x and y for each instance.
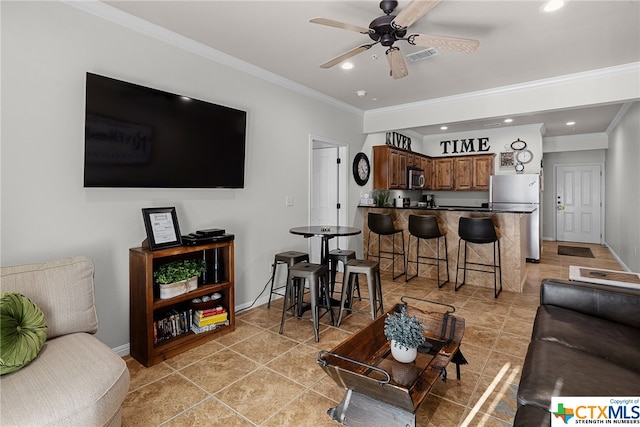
(499, 141)
(623, 189)
(47, 47)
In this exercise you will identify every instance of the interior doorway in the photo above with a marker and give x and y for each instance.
(579, 203)
(328, 192)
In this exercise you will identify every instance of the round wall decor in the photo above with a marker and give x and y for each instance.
(361, 169)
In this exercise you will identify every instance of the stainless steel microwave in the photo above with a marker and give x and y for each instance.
(415, 179)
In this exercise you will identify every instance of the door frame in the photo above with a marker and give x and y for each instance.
(602, 196)
(342, 188)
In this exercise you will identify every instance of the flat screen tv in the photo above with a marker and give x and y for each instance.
(136, 136)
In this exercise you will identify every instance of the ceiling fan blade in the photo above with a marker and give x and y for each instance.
(341, 25)
(396, 63)
(414, 11)
(443, 42)
(347, 55)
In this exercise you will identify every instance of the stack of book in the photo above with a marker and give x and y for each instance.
(209, 319)
(170, 324)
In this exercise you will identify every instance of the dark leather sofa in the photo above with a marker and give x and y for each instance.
(585, 342)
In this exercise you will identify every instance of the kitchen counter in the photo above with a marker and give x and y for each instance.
(510, 226)
(517, 210)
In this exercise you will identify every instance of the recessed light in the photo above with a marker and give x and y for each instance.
(347, 66)
(508, 120)
(571, 123)
(186, 98)
(552, 5)
(361, 93)
(444, 127)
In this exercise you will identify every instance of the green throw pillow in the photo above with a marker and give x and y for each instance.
(22, 331)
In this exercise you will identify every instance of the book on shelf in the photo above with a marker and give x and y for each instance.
(209, 320)
(171, 324)
(210, 311)
(200, 329)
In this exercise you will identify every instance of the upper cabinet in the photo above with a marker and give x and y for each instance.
(389, 168)
(473, 172)
(443, 173)
(483, 165)
(457, 173)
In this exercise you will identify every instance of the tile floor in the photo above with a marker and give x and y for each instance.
(256, 377)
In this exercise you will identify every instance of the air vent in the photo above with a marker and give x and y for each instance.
(493, 125)
(422, 55)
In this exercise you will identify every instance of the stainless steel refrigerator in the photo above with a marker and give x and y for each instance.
(521, 191)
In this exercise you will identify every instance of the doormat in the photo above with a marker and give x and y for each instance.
(575, 251)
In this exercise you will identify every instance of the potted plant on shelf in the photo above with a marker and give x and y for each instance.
(406, 334)
(178, 277)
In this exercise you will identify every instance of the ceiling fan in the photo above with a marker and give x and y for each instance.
(388, 29)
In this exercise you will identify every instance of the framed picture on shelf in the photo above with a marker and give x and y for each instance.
(162, 227)
(507, 159)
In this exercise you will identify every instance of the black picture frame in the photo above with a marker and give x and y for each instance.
(162, 227)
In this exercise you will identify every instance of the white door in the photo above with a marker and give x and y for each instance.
(578, 203)
(328, 190)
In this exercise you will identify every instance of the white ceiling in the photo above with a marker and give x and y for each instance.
(518, 44)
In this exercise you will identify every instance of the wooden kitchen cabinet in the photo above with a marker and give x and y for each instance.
(463, 173)
(427, 166)
(443, 178)
(389, 168)
(483, 166)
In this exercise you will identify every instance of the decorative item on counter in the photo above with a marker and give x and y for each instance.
(365, 200)
(381, 198)
(406, 334)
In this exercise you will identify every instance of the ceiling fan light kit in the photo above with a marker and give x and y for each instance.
(388, 29)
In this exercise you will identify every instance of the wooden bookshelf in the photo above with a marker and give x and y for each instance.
(145, 304)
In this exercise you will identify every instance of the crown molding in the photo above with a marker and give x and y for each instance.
(117, 16)
(614, 123)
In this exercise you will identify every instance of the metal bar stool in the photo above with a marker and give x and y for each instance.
(382, 225)
(343, 256)
(479, 231)
(374, 284)
(290, 258)
(316, 275)
(426, 227)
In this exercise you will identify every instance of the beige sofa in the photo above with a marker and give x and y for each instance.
(76, 380)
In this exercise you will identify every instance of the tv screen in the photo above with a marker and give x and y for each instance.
(136, 136)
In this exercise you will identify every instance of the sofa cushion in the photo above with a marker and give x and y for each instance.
(77, 380)
(63, 289)
(552, 369)
(620, 344)
(22, 331)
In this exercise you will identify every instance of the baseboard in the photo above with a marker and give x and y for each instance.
(615, 255)
(122, 350)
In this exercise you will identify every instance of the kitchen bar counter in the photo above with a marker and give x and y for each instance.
(518, 210)
(510, 226)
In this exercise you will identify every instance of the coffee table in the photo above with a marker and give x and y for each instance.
(380, 390)
(601, 276)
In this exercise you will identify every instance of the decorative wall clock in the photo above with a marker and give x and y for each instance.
(361, 169)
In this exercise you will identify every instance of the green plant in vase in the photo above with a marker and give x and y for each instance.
(406, 334)
(177, 271)
(381, 198)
